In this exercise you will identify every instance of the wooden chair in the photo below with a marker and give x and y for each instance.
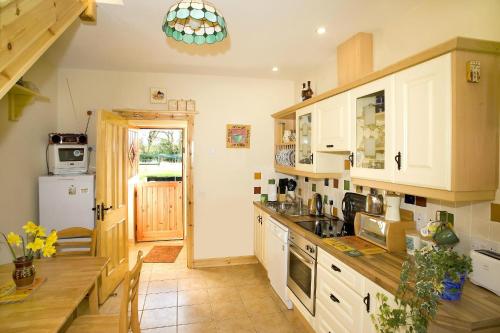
(68, 245)
(121, 323)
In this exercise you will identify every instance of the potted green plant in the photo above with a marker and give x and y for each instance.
(434, 273)
(36, 244)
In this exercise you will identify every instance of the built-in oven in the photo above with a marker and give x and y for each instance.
(301, 279)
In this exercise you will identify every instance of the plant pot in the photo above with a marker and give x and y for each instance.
(452, 290)
(24, 272)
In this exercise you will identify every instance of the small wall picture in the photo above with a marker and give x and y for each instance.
(158, 96)
(238, 136)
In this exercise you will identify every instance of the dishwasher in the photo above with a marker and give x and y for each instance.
(277, 258)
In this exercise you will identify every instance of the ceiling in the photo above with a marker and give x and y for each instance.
(262, 34)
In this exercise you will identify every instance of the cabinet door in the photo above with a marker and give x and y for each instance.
(332, 123)
(263, 239)
(423, 124)
(371, 306)
(304, 153)
(257, 239)
(372, 126)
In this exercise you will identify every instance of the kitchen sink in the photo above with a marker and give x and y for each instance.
(287, 208)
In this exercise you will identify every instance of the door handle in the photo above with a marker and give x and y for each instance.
(366, 300)
(334, 299)
(329, 146)
(397, 158)
(299, 256)
(108, 208)
(351, 158)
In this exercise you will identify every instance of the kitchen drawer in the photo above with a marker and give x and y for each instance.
(326, 321)
(340, 300)
(342, 272)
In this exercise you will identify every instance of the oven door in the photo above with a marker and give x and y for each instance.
(301, 278)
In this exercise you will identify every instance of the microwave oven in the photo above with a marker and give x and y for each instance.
(67, 159)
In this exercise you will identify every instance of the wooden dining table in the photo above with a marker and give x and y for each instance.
(68, 280)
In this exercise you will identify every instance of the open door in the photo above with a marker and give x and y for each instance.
(111, 199)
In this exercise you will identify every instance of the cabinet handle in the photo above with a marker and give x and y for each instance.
(329, 146)
(397, 158)
(351, 158)
(312, 158)
(336, 269)
(334, 299)
(366, 300)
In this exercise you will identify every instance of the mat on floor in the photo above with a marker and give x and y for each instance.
(163, 254)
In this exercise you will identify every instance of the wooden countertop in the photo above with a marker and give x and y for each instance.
(477, 311)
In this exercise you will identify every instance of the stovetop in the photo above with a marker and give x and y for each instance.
(324, 227)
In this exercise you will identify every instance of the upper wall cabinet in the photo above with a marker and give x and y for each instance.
(372, 118)
(423, 124)
(333, 124)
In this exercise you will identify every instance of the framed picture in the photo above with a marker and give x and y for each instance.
(237, 136)
(158, 96)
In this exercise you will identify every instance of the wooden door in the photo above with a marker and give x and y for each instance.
(159, 211)
(423, 124)
(332, 120)
(305, 144)
(111, 199)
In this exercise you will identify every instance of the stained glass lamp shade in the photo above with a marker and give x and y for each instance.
(195, 21)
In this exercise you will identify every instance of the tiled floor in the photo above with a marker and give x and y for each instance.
(233, 299)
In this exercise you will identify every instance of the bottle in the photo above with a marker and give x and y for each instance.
(308, 93)
(304, 91)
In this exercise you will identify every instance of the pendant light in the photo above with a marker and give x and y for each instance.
(195, 21)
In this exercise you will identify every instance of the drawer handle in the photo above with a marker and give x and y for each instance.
(334, 299)
(336, 269)
(329, 146)
(366, 300)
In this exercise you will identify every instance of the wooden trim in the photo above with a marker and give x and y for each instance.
(457, 43)
(90, 13)
(295, 172)
(227, 261)
(444, 195)
(143, 114)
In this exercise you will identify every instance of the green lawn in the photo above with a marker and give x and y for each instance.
(160, 173)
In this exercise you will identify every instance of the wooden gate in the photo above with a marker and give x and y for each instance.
(159, 211)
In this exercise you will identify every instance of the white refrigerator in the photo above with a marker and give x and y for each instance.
(66, 201)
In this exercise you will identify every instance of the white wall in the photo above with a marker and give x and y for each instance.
(428, 24)
(22, 154)
(223, 178)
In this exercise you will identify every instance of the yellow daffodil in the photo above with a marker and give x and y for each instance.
(14, 239)
(48, 250)
(51, 238)
(30, 228)
(41, 231)
(36, 245)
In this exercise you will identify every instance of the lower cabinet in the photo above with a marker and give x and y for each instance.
(345, 300)
(259, 240)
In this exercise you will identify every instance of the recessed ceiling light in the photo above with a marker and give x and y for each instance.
(321, 30)
(275, 69)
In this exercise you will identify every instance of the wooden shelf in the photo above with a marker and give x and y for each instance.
(295, 172)
(19, 98)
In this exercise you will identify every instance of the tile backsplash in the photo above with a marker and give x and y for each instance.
(472, 219)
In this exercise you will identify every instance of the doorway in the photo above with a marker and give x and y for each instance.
(159, 199)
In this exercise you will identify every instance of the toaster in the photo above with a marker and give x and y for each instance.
(486, 269)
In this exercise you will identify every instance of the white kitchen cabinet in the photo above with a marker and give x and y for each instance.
(423, 124)
(307, 156)
(372, 304)
(372, 130)
(260, 218)
(332, 119)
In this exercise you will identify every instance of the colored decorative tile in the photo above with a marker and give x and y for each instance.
(336, 183)
(409, 199)
(300, 191)
(359, 189)
(327, 182)
(421, 201)
(347, 185)
(347, 165)
(325, 199)
(313, 187)
(306, 179)
(495, 212)
(271, 181)
(257, 175)
(335, 211)
(256, 190)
